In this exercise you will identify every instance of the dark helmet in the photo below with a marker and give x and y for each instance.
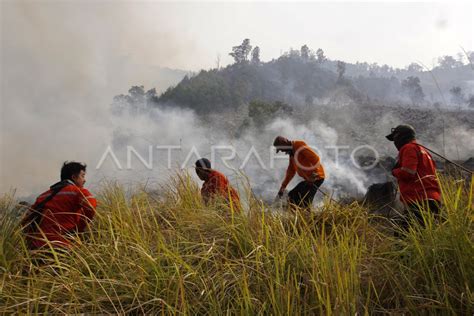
(203, 163)
(405, 131)
(280, 143)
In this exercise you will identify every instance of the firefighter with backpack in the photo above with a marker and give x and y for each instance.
(65, 209)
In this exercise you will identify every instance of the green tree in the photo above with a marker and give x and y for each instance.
(341, 69)
(448, 62)
(256, 55)
(457, 96)
(320, 56)
(263, 112)
(136, 102)
(120, 104)
(305, 52)
(414, 67)
(413, 88)
(151, 97)
(240, 53)
(137, 93)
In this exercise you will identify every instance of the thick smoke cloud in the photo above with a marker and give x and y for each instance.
(62, 62)
(152, 133)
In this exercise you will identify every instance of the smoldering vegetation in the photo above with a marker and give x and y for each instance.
(343, 110)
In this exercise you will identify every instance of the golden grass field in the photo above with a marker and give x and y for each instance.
(167, 253)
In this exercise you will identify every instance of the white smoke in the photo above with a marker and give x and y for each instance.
(253, 154)
(62, 63)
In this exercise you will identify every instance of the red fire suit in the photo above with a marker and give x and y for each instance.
(416, 175)
(68, 211)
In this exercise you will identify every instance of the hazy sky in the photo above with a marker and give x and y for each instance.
(393, 33)
(190, 35)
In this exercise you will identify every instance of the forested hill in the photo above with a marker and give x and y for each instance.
(304, 77)
(286, 79)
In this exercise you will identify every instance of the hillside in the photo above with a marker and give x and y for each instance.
(299, 80)
(286, 79)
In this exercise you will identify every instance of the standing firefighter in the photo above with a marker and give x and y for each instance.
(415, 171)
(305, 162)
(66, 208)
(216, 185)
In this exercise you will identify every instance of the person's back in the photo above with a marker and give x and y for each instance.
(303, 161)
(306, 161)
(217, 185)
(65, 208)
(417, 174)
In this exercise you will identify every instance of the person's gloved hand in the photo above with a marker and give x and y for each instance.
(280, 192)
(313, 177)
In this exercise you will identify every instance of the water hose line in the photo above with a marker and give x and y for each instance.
(447, 160)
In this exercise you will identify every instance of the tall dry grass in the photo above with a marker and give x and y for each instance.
(167, 253)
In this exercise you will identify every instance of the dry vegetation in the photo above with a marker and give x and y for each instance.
(172, 255)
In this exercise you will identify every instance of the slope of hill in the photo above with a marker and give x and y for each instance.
(286, 79)
(304, 77)
(297, 81)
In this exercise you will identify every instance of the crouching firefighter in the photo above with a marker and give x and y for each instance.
(66, 208)
(304, 161)
(216, 185)
(415, 172)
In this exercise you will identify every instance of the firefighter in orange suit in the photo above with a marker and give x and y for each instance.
(415, 172)
(307, 164)
(65, 209)
(216, 185)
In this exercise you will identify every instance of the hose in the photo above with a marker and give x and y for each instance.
(447, 160)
